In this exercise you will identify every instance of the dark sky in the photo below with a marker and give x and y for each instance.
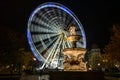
(96, 16)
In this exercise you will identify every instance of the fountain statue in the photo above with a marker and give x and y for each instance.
(74, 56)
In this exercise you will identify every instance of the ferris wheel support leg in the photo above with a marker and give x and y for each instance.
(56, 51)
(50, 53)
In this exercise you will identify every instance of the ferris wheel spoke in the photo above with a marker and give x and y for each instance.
(55, 23)
(66, 44)
(44, 37)
(59, 13)
(67, 19)
(50, 14)
(48, 45)
(64, 17)
(38, 42)
(53, 20)
(56, 13)
(44, 51)
(51, 52)
(48, 28)
(42, 16)
(55, 26)
(69, 23)
(38, 24)
(41, 32)
(45, 17)
(41, 29)
(56, 51)
(59, 18)
(50, 20)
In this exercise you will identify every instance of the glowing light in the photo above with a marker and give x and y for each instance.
(34, 59)
(98, 64)
(7, 66)
(46, 31)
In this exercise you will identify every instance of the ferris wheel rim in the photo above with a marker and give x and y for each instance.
(56, 5)
(64, 8)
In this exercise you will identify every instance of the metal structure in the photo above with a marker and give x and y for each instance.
(48, 28)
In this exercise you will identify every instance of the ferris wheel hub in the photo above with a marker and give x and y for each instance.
(47, 33)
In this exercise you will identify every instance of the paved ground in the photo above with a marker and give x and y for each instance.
(109, 76)
(112, 76)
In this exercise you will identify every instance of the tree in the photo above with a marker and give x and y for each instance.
(113, 47)
(11, 42)
(95, 60)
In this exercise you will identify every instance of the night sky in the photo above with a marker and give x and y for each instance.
(97, 17)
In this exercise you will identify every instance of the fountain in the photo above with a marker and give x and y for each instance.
(74, 56)
(74, 64)
(47, 30)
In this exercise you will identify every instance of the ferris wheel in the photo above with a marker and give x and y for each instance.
(48, 28)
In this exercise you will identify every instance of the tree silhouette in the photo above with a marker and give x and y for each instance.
(113, 47)
(11, 44)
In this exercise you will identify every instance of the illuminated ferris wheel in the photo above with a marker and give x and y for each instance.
(48, 28)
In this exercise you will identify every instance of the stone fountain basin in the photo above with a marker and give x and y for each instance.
(74, 51)
(72, 38)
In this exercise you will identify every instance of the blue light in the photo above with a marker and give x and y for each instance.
(31, 45)
(54, 5)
